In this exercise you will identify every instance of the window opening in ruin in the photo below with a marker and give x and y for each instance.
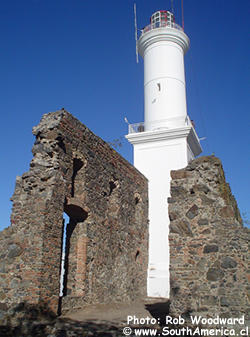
(60, 143)
(77, 165)
(112, 186)
(137, 254)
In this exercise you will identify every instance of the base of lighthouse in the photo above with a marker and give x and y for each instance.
(156, 153)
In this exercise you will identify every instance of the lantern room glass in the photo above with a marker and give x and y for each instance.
(162, 18)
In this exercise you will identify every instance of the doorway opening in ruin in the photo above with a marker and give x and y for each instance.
(72, 250)
(65, 222)
(62, 270)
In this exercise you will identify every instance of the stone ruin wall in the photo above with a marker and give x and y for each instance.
(75, 172)
(209, 248)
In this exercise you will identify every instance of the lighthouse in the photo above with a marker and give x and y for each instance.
(166, 140)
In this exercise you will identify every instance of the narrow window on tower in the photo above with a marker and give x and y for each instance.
(159, 86)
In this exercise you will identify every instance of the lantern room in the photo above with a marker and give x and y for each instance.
(162, 18)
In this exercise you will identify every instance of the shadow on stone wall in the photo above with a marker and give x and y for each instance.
(37, 320)
(159, 311)
(27, 320)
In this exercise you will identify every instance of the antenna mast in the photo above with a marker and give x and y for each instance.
(136, 36)
(172, 6)
(182, 14)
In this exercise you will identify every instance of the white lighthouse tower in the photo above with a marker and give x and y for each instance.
(166, 140)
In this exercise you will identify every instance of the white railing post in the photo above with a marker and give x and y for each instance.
(136, 128)
(162, 24)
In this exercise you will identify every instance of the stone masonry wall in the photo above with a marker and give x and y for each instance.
(208, 245)
(75, 172)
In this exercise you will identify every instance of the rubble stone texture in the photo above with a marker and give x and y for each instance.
(106, 255)
(75, 172)
(209, 248)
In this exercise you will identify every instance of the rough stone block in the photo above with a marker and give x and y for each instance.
(213, 275)
(228, 262)
(210, 249)
(192, 212)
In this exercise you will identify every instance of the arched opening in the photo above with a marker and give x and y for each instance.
(73, 252)
(74, 242)
(76, 216)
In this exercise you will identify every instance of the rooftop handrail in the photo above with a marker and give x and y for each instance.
(140, 127)
(161, 24)
(135, 128)
(190, 122)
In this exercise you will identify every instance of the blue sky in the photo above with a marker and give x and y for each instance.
(80, 55)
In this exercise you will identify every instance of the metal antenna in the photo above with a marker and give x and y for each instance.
(182, 14)
(136, 36)
(126, 120)
(172, 6)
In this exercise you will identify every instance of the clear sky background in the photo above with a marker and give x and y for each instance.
(80, 55)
